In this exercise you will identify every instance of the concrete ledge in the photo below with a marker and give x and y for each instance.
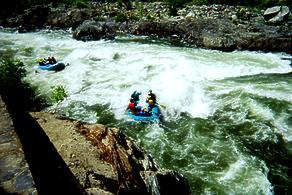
(15, 176)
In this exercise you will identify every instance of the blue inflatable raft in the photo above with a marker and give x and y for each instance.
(154, 118)
(53, 67)
(136, 113)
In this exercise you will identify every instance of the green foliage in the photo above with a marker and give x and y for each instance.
(200, 2)
(19, 95)
(126, 3)
(150, 17)
(58, 93)
(11, 73)
(82, 4)
(121, 17)
(77, 3)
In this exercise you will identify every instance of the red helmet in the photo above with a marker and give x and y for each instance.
(131, 106)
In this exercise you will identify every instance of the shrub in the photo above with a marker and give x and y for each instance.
(127, 3)
(11, 74)
(174, 4)
(75, 2)
(82, 4)
(121, 17)
(18, 95)
(200, 2)
(58, 93)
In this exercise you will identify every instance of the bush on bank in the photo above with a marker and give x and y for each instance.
(18, 95)
(58, 93)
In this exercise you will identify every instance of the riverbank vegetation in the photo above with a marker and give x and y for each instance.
(58, 93)
(18, 94)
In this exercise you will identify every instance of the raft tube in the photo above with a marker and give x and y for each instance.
(53, 67)
(146, 119)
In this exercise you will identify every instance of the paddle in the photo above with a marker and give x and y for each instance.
(162, 106)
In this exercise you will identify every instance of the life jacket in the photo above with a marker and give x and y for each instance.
(154, 110)
(132, 107)
(41, 61)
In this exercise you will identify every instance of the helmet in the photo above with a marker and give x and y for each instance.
(151, 95)
(150, 102)
(41, 60)
(135, 95)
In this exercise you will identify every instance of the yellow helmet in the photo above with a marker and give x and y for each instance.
(150, 101)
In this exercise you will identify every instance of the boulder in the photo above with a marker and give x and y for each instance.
(92, 30)
(272, 12)
(105, 161)
(277, 14)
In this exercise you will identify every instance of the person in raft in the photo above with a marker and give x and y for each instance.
(134, 101)
(49, 60)
(151, 109)
(42, 61)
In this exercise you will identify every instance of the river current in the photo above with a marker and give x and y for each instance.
(228, 116)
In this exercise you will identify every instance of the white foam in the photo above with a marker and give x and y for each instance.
(234, 169)
(177, 75)
(261, 111)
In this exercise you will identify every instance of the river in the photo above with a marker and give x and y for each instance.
(228, 116)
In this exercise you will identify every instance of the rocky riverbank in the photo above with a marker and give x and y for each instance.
(46, 154)
(105, 161)
(219, 27)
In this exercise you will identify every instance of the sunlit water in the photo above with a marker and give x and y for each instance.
(228, 116)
